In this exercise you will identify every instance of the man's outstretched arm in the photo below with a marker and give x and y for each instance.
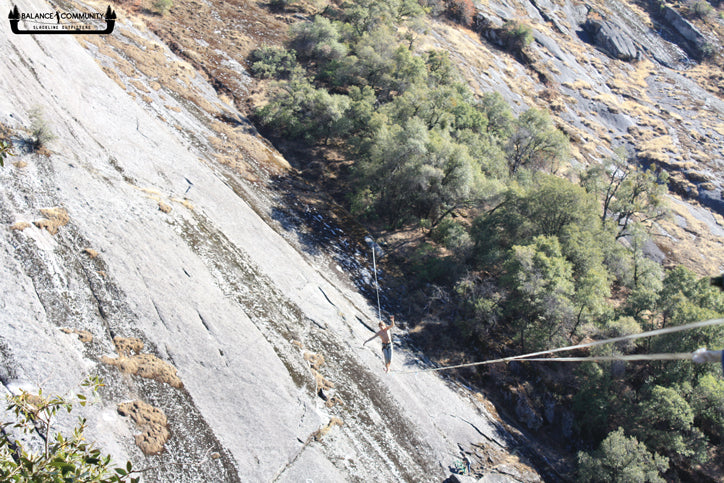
(371, 338)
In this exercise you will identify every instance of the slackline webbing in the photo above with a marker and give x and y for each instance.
(633, 357)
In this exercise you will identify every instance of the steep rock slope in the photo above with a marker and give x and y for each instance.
(148, 226)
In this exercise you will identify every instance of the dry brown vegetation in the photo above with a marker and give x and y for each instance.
(83, 335)
(54, 219)
(149, 366)
(126, 346)
(315, 360)
(90, 252)
(152, 423)
(20, 225)
(324, 430)
(164, 207)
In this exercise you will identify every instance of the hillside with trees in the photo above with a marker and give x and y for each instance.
(528, 254)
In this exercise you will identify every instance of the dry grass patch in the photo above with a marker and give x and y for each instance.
(147, 366)
(315, 360)
(139, 86)
(90, 252)
(324, 430)
(657, 149)
(164, 207)
(321, 382)
(127, 346)
(20, 225)
(183, 202)
(610, 101)
(635, 108)
(152, 423)
(83, 335)
(54, 219)
(144, 365)
(644, 69)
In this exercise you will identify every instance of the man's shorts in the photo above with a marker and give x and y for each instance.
(387, 352)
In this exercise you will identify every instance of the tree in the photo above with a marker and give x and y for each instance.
(644, 279)
(708, 402)
(553, 206)
(462, 11)
(535, 142)
(665, 422)
(61, 458)
(594, 400)
(685, 298)
(500, 117)
(299, 110)
(541, 289)
(592, 292)
(627, 193)
(479, 306)
(640, 197)
(366, 15)
(517, 35)
(413, 172)
(317, 41)
(621, 459)
(273, 62)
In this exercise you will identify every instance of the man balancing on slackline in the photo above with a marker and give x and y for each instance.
(386, 338)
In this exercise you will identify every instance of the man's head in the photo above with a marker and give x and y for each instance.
(381, 325)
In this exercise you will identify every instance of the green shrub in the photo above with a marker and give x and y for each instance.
(701, 9)
(162, 7)
(621, 459)
(452, 235)
(430, 267)
(61, 458)
(5, 151)
(272, 61)
(517, 35)
(40, 131)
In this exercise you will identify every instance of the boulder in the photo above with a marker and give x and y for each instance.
(613, 40)
(693, 40)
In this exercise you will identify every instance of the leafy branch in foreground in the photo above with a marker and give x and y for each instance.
(59, 458)
(5, 151)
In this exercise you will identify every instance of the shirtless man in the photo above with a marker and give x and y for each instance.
(386, 337)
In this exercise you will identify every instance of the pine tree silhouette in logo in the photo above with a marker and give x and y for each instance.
(14, 19)
(110, 20)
